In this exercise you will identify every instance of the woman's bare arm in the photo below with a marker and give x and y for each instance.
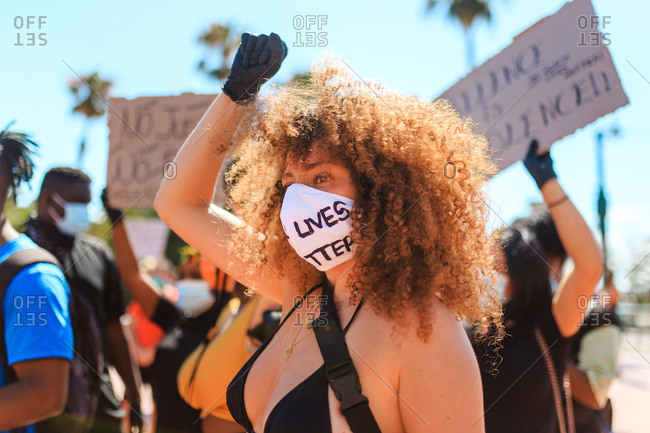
(184, 203)
(577, 239)
(580, 245)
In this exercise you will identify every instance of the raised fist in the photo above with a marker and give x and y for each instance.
(257, 60)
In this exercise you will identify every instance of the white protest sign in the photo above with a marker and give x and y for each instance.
(148, 237)
(145, 134)
(555, 78)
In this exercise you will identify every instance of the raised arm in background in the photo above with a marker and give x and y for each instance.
(139, 283)
(577, 239)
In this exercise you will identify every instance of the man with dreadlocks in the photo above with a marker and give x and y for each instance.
(36, 342)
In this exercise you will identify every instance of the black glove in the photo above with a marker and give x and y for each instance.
(258, 59)
(113, 214)
(540, 167)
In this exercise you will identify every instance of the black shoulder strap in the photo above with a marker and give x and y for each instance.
(9, 268)
(340, 371)
(16, 262)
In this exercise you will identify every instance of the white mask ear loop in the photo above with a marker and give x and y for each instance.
(59, 200)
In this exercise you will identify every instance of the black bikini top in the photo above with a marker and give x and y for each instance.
(304, 408)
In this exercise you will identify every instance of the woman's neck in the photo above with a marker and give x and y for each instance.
(338, 277)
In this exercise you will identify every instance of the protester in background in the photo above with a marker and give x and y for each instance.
(147, 334)
(375, 228)
(59, 228)
(203, 291)
(204, 377)
(593, 362)
(593, 353)
(527, 393)
(35, 360)
(540, 224)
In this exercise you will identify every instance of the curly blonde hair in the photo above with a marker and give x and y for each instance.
(419, 218)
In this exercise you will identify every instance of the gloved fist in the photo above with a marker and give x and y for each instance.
(540, 167)
(257, 60)
(113, 214)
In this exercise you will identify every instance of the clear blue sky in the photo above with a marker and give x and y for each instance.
(148, 48)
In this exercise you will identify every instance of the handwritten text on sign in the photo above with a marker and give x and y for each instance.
(545, 85)
(145, 134)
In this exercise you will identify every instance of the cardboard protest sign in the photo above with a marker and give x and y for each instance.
(145, 134)
(555, 78)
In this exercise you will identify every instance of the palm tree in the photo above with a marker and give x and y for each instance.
(90, 93)
(221, 40)
(302, 78)
(465, 12)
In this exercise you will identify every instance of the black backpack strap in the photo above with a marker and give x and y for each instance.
(17, 261)
(340, 371)
(9, 268)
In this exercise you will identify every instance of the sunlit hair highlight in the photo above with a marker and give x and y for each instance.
(419, 169)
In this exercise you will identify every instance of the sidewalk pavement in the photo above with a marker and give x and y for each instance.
(630, 393)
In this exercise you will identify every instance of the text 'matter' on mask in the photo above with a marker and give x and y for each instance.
(317, 225)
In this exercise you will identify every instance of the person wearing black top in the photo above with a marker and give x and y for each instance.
(183, 333)
(342, 189)
(593, 352)
(593, 362)
(524, 392)
(90, 268)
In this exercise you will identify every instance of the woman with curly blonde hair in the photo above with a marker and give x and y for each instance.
(369, 196)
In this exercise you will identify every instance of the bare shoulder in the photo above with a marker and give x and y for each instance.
(417, 385)
(445, 330)
(445, 333)
(439, 376)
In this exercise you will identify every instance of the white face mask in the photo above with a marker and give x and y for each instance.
(194, 296)
(76, 218)
(317, 225)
